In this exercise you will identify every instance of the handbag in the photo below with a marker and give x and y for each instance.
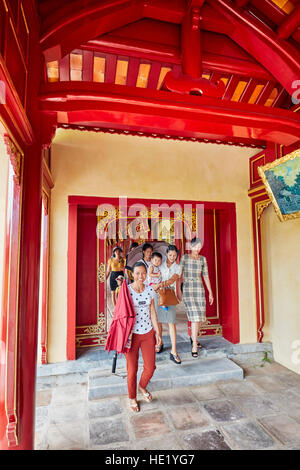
(167, 297)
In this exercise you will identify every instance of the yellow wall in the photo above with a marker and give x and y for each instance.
(96, 164)
(4, 161)
(281, 261)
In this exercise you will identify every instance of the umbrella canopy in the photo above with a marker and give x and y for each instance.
(122, 322)
(136, 254)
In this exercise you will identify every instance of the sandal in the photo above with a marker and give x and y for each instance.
(175, 358)
(147, 395)
(134, 407)
(200, 346)
(194, 353)
(158, 351)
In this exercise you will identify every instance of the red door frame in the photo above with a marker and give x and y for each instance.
(228, 248)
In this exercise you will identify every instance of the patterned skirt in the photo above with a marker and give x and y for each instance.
(194, 300)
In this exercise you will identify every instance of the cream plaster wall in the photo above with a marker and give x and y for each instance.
(4, 162)
(96, 164)
(281, 261)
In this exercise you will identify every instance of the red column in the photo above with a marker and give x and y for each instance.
(23, 379)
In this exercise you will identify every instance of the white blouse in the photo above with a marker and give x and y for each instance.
(168, 272)
(142, 302)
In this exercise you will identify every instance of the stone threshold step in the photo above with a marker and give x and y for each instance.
(105, 362)
(196, 372)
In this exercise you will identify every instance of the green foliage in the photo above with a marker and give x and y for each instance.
(265, 359)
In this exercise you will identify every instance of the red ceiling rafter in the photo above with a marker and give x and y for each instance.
(290, 24)
(280, 58)
(271, 14)
(157, 110)
(87, 23)
(163, 53)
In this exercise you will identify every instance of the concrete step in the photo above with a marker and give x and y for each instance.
(198, 371)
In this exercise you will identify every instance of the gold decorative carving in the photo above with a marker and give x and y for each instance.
(269, 166)
(15, 158)
(98, 328)
(260, 207)
(101, 272)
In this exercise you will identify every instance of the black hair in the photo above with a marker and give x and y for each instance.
(146, 246)
(133, 245)
(155, 253)
(115, 249)
(137, 265)
(195, 241)
(173, 248)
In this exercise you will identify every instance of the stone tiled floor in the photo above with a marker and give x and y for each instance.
(260, 412)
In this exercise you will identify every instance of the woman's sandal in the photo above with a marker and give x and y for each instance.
(200, 346)
(134, 407)
(147, 395)
(194, 353)
(175, 358)
(160, 349)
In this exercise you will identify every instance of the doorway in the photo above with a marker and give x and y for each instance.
(90, 306)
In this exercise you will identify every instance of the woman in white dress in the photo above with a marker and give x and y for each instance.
(171, 272)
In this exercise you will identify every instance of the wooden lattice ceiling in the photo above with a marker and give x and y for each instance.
(252, 47)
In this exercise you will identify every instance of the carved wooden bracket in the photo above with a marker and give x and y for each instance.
(15, 157)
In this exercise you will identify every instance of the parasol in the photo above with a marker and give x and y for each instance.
(136, 254)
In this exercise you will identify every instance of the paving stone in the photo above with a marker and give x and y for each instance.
(267, 369)
(168, 442)
(41, 417)
(290, 380)
(247, 435)
(68, 412)
(238, 389)
(44, 383)
(116, 446)
(208, 392)
(66, 436)
(207, 440)
(68, 394)
(267, 384)
(176, 397)
(149, 425)
(295, 414)
(104, 408)
(257, 405)
(43, 397)
(67, 379)
(204, 371)
(107, 431)
(287, 400)
(223, 410)
(282, 427)
(187, 417)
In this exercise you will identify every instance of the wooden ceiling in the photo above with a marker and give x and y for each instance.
(120, 50)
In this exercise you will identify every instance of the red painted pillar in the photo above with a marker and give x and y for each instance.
(23, 380)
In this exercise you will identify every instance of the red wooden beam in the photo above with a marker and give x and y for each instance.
(169, 54)
(83, 24)
(290, 24)
(191, 41)
(171, 11)
(165, 111)
(241, 3)
(271, 14)
(280, 58)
